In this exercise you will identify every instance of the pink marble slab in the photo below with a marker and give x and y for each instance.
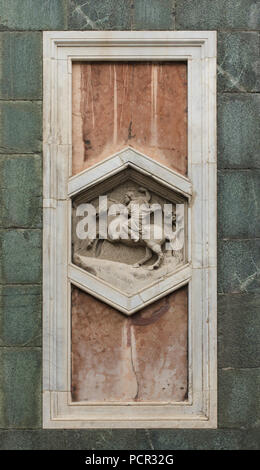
(139, 358)
(138, 104)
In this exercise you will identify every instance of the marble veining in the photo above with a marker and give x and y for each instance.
(138, 104)
(138, 358)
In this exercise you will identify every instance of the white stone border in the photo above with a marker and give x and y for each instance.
(140, 162)
(128, 304)
(198, 48)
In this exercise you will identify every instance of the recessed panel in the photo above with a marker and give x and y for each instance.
(141, 104)
(142, 358)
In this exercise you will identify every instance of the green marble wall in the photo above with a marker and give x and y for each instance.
(21, 26)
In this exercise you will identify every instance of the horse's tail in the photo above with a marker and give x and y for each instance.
(178, 243)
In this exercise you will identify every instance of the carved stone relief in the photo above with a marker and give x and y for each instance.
(138, 255)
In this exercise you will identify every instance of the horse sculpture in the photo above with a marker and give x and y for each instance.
(135, 231)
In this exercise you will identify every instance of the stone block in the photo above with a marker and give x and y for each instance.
(238, 330)
(20, 191)
(33, 14)
(239, 398)
(20, 389)
(124, 439)
(217, 14)
(238, 266)
(20, 127)
(100, 15)
(20, 315)
(20, 256)
(238, 130)
(238, 62)
(238, 204)
(153, 15)
(21, 63)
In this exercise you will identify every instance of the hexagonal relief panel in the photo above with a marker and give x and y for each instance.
(129, 230)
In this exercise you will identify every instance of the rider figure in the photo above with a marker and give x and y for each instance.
(139, 210)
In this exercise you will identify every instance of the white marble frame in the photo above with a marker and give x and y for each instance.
(198, 48)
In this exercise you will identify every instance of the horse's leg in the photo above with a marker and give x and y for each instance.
(157, 249)
(148, 255)
(90, 243)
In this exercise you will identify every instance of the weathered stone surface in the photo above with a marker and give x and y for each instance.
(239, 398)
(117, 439)
(217, 14)
(250, 439)
(123, 263)
(20, 315)
(75, 439)
(195, 439)
(20, 256)
(99, 15)
(238, 204)
(21, 63)
(238, 62)
(238, 130)
(153, 15)
(20, 389)
(143, 105)
(137, 358)
(239, 330)
(33, 14)
(20, 127)
(20, 191)
(238, 266)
